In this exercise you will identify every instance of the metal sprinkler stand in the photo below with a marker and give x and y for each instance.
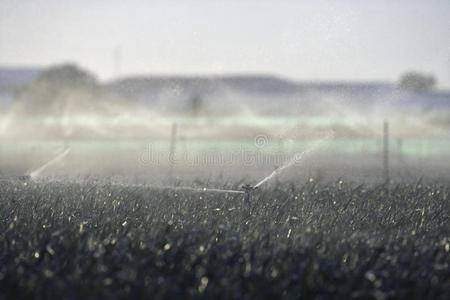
(248, 192)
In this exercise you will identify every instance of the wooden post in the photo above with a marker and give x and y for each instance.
(399, 149)
(173, 141)
(386, 149)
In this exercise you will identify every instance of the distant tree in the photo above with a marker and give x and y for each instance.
(66, 78)
(53, 86)
(417, 82)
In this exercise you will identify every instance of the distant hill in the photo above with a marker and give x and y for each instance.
(259, 84)
(11, 78)
(253, 92)
(202, 85)
(265, 93)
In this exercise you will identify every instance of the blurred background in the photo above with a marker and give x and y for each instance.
(157, 91)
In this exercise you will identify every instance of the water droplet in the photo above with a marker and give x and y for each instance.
(50, 250)
(370, 276)
(203, 284)
(274, 273)
(48, 273)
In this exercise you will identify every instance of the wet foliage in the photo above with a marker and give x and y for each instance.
(299, 240)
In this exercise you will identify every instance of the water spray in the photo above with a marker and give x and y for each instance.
(297, 158)
(35, 173)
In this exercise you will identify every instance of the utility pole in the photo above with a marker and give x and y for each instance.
(117, 59)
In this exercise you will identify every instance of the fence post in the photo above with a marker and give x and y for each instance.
(386, 149)
(399, 149)
(173, 141)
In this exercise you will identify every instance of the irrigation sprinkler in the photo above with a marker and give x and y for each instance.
(248, 192)
(37, 172)
(24, 178)
(247, 188)
(32, 175)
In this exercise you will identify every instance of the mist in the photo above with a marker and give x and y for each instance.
(224, 125)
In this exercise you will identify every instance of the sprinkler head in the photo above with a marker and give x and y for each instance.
(24, 177)
(248, 187)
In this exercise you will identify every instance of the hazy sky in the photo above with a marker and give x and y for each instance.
(307, 40)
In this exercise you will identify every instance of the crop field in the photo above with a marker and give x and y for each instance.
(224, 150)
(297, 240)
